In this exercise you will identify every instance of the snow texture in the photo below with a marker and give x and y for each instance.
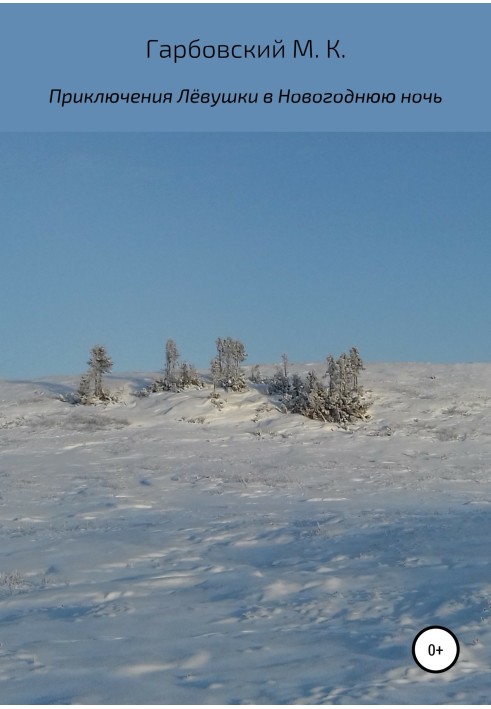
(165, 550)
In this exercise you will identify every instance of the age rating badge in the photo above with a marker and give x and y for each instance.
(435, 649)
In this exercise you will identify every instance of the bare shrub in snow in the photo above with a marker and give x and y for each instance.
(12, 581)
(93, 422)
(216, 400)
(197, 419)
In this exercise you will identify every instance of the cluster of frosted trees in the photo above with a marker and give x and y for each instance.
(226, 371)
(337, 397)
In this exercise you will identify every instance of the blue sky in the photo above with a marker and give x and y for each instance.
(305, 243)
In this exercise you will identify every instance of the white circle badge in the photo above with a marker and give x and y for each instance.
(436, 649)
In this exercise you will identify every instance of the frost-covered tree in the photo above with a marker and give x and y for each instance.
(99, 363)
(188, 376)
(220, 358)
(285, 362)
(345, 395)
(230, 355)
(308, 397)
(297, 399)
(343, 372)
(177, 375)
(255, 375)
(345, 378)
(235, 354)
(332, 372)
(279, 383)
(84, 391)
(317, 404)
(216, 372)
(171, 358)
(90, 388)
(356, 364)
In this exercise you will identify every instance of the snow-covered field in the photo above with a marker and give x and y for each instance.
(162, 551)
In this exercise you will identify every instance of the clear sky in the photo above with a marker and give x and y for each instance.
(305, 243)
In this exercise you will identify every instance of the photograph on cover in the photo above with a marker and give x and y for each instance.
(245, 418)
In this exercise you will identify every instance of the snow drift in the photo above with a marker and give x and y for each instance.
(164, 550)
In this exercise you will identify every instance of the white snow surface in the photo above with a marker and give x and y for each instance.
(159, 550)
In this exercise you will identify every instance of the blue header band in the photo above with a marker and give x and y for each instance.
(245, 67)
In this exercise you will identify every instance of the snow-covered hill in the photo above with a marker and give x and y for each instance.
(161, 550)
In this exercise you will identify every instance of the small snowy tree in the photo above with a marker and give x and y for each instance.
(220, 358)
(177, 375)
(84, 391)
(332, 372)
(230, 355)
(345, 378)
(99, 363)
(284, 359)
(171, 358)
(216, 373)
(297, 399)
(90, 388)
(169, 381)
(345, 395)
(279, 383)
(255, 375)
(356, 365)
(317, 403)
(236, 354)
(188, 376)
